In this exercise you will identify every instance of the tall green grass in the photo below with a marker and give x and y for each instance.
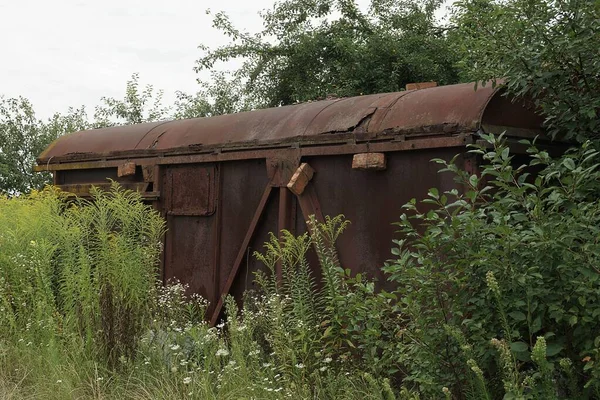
(84, 316)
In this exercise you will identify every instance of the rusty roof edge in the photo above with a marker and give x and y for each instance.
(250, 146)
(374, 128)
(495, 91)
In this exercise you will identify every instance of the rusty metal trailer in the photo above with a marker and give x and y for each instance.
(223, 183)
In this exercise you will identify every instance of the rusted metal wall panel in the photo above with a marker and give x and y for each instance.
(189, 193)
(268, 223)
(372, 201)
(243, 186)
(96, 175)
(189, 252)
(191, 189)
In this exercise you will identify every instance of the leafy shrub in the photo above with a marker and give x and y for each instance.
(344, 320)
(83, 268)
(108, 254)
(512, 259)
(546, 50)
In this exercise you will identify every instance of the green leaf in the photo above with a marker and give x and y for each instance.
(474, 180)
(518, 316)
(569, 164)
(536, 325)
(519, 347)
(553, 349)
(433, 192)
(573, 320)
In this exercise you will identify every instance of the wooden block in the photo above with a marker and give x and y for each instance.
(369, 161)
(300, 179)
(126, 169)
(420, 85)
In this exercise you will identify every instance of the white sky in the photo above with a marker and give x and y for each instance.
(65, 53)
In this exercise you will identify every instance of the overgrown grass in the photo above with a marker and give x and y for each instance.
(83, 315)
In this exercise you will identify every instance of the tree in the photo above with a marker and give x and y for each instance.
(312, 49)
(546, 49)
(223, 94)
(23, 137)
(135, 108)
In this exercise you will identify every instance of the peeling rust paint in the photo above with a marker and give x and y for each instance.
(443, 109)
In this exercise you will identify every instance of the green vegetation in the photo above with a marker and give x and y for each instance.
(84, 317)
(497, 293)
(315, 49)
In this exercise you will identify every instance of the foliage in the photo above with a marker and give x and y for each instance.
(83, 316)
(518, 243)
(315, 49)
(137, 106)
(546, 49)
(223, 94)
(344, 319)
(23, 137)
(88, 269)
(107, 269)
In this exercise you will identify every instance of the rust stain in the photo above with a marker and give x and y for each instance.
(443, 109)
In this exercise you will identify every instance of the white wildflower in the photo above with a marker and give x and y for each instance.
(300, 365)
(175, 347)
(222, 352)
(187, 380)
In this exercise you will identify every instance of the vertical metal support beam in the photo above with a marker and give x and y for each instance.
(286, 220)
(160, 206)
(217, 232)
(241, 254)
(471, 165)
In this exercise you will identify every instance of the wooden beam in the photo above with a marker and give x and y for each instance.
(309, 204)
(241, 253)
(300, 179)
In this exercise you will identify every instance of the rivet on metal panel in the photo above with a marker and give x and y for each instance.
(300, 179)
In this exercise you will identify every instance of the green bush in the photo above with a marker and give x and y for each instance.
(511, 260)
(343, 325)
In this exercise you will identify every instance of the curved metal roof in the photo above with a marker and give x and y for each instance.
(443, 109)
